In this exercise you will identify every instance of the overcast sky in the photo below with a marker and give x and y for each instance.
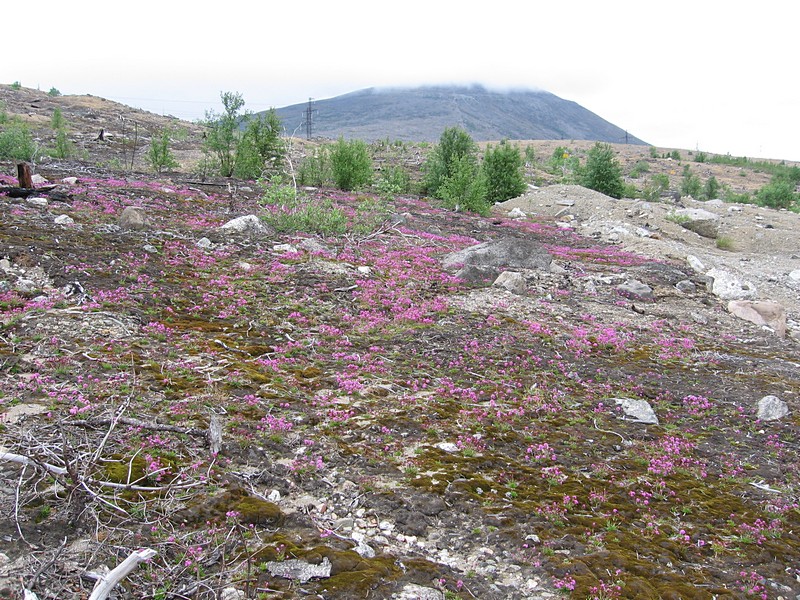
(718, 76)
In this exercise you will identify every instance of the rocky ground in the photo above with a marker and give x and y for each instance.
(385, 411)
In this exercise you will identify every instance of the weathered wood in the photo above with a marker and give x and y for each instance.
(24, 175)
(20, 192)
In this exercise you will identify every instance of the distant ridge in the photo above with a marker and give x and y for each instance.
(422, 113)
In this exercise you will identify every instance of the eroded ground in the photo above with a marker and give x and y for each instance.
(379, 416)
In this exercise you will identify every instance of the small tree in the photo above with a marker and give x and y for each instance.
(351, 165)
(602, 171)
(778, 193)
(690, 184)
(261, 147)
(222, 137)
(710, 188)
(159, 156)
(454, 144)
(465, 188)
(503, 169)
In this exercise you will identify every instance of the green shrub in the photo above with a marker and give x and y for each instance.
(653, 152)
(53, 92)
(16, 143)
(222, 134)
(394, 180)
(640, 167)
(503, 169)
(630, 191)
(63, 146)
(291, 212)
(315, 169)
(675, 155)
(57, 121)
(351, 166)
(659, 183)
(602, 171)
(261, 147)
(16, 86)
(690, 184)
(710, 189)
(454, 145)
(700, 157)
(465, 188)
(734, 197)
(159, 155)
(779, 193)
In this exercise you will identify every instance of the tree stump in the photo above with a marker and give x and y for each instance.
(24, 175)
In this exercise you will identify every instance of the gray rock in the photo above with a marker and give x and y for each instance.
(512, 281)
(516, 213)
(696, 264)
(249, 224)
(231, 593)
(40, 202)
(771, 408)
(64, 220)
(133, 217)
(70, 180)
(477, 274)
(686, 287)
(702, 222)
(38, 179)
(795, 275)
(150, 249)
(204, 243)
(639, 411)
(761, 312)
(364, 550)
(509, 253)
(299, 569)
(635, 289)
(412, 591)
(727, 286)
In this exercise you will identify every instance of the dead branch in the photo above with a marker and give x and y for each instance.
(107, 582)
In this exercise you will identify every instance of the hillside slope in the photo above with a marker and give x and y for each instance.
(421, 114)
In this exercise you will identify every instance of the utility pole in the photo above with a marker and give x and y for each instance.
(309, 112)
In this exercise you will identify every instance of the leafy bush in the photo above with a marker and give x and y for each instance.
(222, 137)
(16, 143)
(779, 193)
(640, 167)
(630, 191)
(653, 152)
(53, 92)
(16, 86)
(351, 166)
(57, 121)
(503, 169)
(159, 155)
(690, 184)
(454, 145)
(291, 212)
(710, 189)
(700, 157)
(261, 147)
(63, 146)
(394, 180)
(659, 183)
(675, 155)
(315, 169)
(602, 171)
(465, 188)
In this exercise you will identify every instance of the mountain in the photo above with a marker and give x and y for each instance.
(422, 113)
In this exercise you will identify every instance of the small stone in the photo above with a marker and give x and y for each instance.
(764, 313)
(204, 243)
(41, 202)
(512, 281)
(364, 270)
(795, 275)
(640, 411)
(64, 220)
(38, 179)
(686, 287)
(250, 224)
(274, 496)
(133, 217)
(231, 593)
(727, 286)
(70, 180)
(364, 550)
(636, 289)
(516, 213)
(150, 249)
(696, 264)
(771, 408)
(447, 447)
(284, 248)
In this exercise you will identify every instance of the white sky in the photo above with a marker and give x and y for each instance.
(718, 76)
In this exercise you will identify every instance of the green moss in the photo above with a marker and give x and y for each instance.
(256, 511)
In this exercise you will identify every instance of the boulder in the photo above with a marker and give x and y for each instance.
(761, 312)
(727, 286)
(248, 224)
(771, 408)
(696, 264)
(64, 220)
(478, 274)
(635, 289)
(133, 217)
(512, 281)
(509, 253)
(639, 411)
(795, 275)
(702, 222)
